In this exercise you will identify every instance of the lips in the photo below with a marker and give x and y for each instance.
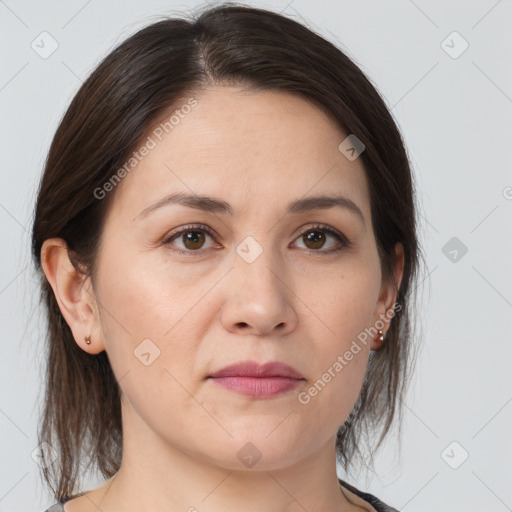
(256, 370)
(256, 380)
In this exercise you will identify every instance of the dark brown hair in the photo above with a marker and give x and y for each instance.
(131, 89)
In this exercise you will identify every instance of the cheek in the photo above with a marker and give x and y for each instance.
(337, 381)
(326, 402)
(155, 398)
(345, 306)
(342, 301)
(148, 329)
(142, 296)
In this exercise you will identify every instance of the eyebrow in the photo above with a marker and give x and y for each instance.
(216, 205)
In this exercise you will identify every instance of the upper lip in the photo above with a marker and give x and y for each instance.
(254, 369)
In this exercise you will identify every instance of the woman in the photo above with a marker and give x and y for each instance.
(225, 232)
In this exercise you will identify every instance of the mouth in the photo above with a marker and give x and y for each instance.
(250, 378)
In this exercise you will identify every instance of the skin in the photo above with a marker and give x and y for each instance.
(258, 151)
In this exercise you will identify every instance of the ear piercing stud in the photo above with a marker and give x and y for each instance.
(88, 339)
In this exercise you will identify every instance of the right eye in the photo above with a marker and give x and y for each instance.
(192, 236)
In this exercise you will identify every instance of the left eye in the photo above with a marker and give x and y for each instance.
(316, 235)
(193, 238)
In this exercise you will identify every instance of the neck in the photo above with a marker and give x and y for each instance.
(157, 475)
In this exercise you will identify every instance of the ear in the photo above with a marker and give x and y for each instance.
(388, 295)
(74, 294)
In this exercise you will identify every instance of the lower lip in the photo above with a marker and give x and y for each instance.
(258, 387)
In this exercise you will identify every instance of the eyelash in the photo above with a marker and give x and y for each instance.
(345, 243)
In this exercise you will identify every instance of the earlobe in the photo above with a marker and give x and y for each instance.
(378, 341)
(72, 291)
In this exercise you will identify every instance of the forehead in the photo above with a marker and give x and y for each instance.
(252, 148)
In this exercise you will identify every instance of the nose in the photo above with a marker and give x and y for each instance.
(259, 299)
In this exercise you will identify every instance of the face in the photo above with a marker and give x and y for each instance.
(182, 292)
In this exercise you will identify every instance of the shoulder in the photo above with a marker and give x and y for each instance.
(55, 508)
(59, 506)
(377, 504)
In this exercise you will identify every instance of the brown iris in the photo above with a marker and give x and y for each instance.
(317, 238)
(195, 238)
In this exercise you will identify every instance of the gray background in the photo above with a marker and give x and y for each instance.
(454, 112)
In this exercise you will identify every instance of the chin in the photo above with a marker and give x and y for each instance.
(255, 450)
